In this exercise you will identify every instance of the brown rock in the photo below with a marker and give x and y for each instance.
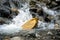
(14, 10)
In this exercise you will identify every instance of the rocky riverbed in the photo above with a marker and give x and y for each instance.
(36, 35)
(13, 14)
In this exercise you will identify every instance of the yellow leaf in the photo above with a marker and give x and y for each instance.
(30, 24)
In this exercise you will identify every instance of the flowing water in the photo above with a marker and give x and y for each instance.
(21, 18)
(18, 21)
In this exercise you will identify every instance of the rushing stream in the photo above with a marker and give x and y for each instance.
(18, 21)
(21, 18)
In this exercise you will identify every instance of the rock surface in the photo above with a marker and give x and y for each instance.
(53, 34)
(44, 10)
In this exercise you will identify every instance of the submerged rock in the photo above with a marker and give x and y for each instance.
(6, 11)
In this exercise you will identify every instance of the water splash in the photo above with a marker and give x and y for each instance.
(18, 21)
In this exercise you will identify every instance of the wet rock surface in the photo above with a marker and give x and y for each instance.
(6, 10)
(45, 35)
(37, 10)
(53, 34)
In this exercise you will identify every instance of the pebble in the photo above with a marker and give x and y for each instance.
(16, 38)
(56, 26)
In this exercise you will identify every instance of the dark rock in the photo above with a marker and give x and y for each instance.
(32, 3)
(31, 35)
(40, 13)
(33, 10)
(16, 3)
(47, 19)
(33, 15)
(58, 32)
(54, 4)
(2, 22)
(6, 3)
(5, 9)
(4, 13)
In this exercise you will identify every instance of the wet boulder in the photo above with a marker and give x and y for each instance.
(33, 10)
(47, 19)
(32, 3)
(4, 12)
(16, 3)
(8, 10)
(5, 8)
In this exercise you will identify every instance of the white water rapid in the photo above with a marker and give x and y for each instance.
(20, 19)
